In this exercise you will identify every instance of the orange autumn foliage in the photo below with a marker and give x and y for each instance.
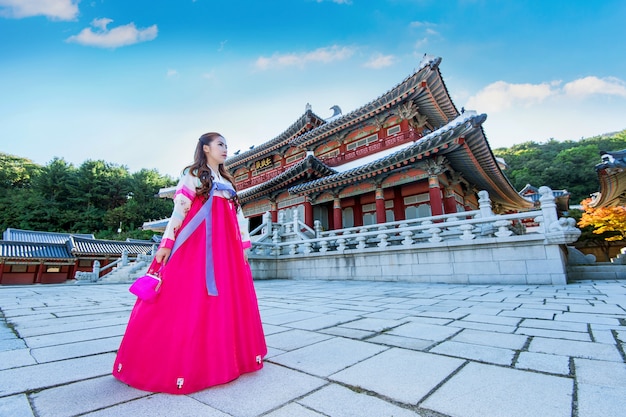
(605, 220)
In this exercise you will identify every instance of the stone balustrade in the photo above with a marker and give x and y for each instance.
(467, 247)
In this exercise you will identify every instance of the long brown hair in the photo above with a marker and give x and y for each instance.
(200, 169)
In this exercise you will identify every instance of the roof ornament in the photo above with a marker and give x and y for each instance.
(336, 113)
(308, 108)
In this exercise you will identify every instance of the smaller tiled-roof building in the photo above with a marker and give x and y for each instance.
(612, 176)
(32, 257)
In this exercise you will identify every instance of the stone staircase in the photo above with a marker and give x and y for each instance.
(583, 267)
(127, 273)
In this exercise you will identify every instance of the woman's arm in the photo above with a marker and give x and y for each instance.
(183, 197)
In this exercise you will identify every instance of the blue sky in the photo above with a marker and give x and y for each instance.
(136, 82)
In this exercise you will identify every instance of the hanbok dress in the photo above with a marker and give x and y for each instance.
(204, 329)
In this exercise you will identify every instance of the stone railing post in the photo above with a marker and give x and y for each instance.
(96, 271)
(484, 204)
(125, 257)
(557, 230)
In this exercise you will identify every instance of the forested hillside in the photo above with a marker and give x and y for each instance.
(97, 197)
(560, 165)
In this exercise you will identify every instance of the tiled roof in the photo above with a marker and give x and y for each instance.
(34, 250)
(19, 235)
(612, 177)
(310, 166)
(425, 88)
(81, 246)
(298, 126)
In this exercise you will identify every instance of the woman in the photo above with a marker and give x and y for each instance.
(204, 328)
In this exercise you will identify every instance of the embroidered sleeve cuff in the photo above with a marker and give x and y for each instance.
(167, 243)
(246, 244)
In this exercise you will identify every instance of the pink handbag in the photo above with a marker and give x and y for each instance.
(147, 287)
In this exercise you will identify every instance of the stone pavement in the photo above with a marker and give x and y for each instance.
(340, 349)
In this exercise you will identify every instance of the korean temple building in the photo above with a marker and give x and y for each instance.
(409, 153)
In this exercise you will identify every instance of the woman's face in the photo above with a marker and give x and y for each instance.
(216, 151)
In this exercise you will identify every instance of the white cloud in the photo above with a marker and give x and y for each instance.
(593, 85)
(380, 61)
(113, 38)
(325, 55)
(171, 73)
(52, 9)
(502, 95)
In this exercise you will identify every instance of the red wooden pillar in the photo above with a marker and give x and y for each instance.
(39, 273)
(308, 212)
(358, 212)
(337, 218)
(449, 203)
(380, 206)
(274, 211)
(434, 193)
(1, 270)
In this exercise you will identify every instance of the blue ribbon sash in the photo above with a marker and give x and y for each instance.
(204, 215)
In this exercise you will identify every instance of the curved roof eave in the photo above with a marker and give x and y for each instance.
(612, 178)
(278, 141)
(433, 100)
(286, 177)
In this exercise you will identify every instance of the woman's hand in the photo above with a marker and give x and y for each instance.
(245, 255)
(162, 255)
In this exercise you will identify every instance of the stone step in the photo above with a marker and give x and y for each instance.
(597, 271)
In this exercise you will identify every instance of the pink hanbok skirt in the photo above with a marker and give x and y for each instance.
(187, 340)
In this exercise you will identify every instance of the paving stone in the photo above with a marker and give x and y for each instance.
(373, 325)
(475, 352)
(424, 331)
(294, 339)
(403, 375)
(402, 342)
(329, 356)
(483, 326)
(15, 406)
(543, 362)
(76, 336)
(588, 318)
(554, 325)
(82, 397)
(293, 410)
(554, 334)
(604, 374)
(490, 319)
(348, 333)
(160, 405)
(35, 377)
(480, 390)
(290, 317)
(256, 393)
(16, 358)
(338, 401)
(321, 322)
(587, 350)
(502, 340)
(78, 349)
(597, 401)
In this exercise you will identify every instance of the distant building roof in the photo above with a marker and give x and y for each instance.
(34, 250)
(30, 244)
(612, 176)
(19, 235)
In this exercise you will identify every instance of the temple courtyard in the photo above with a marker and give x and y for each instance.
(339, 348)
